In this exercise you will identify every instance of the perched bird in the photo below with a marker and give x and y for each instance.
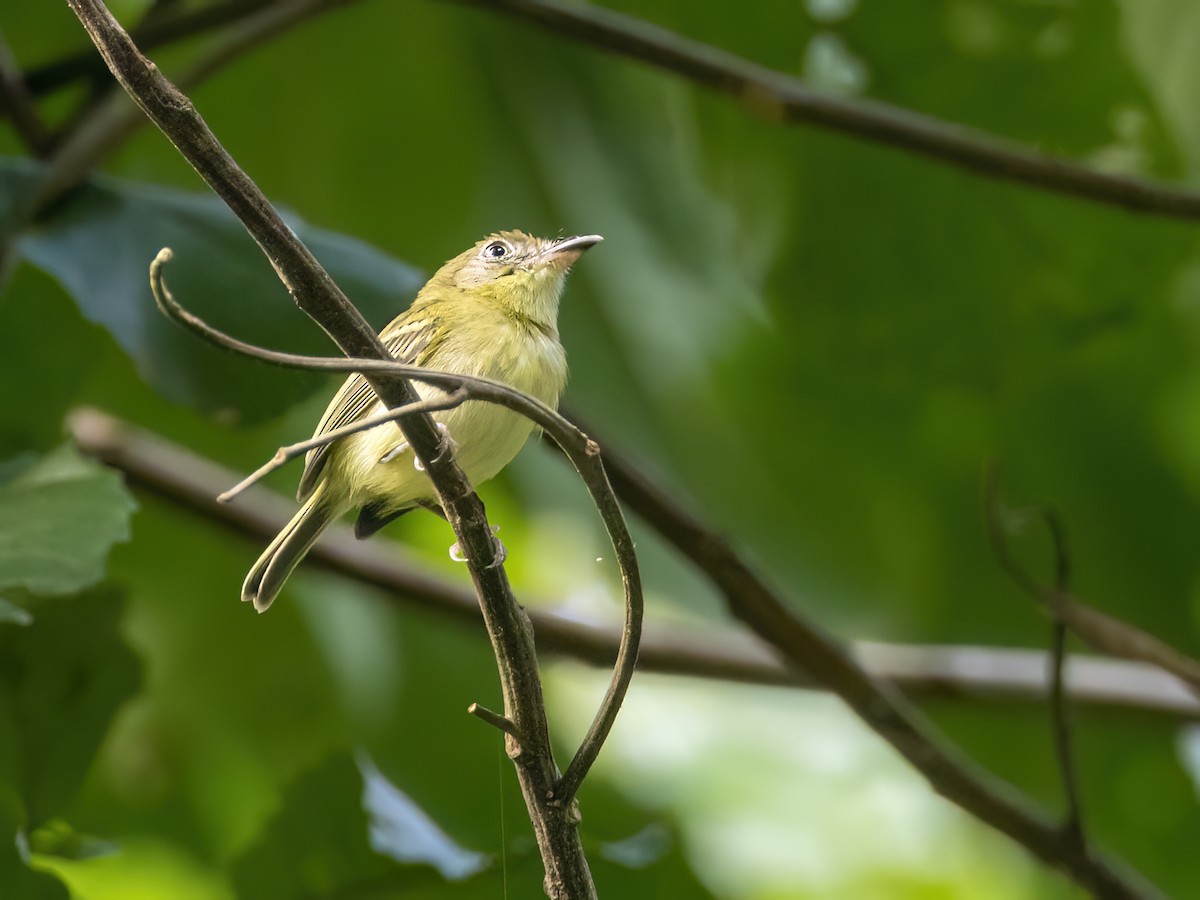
(490, 312)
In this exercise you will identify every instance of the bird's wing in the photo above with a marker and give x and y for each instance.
(405, 340)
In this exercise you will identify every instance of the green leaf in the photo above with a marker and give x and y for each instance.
(59, 517)
(99, 242)
(61, 681)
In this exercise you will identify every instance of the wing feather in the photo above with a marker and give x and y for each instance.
(406, 341)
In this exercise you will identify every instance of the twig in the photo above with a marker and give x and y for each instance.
(788, 99)
(16, 101)
(495, 720)
(582, 451)
(148, 35)
(987, 674)
(1059, 713)
(1061, 724)
(1073, 823)
(1099, 630)
(805, 647)
(567, 872)
(284, 455)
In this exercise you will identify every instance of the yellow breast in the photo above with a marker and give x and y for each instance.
(486, 436)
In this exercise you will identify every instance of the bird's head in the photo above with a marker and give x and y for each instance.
(518, 272)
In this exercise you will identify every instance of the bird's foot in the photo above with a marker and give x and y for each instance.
(446, 446)
(501, 554)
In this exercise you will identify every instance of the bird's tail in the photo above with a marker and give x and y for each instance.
(267, 576)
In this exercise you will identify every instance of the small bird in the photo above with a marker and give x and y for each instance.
(491, 312)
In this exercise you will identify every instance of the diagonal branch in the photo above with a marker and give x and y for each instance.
(555, 824)
(808, 649)
(17, 103)
(148, 35)
(788, 99)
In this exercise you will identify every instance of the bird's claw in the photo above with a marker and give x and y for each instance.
(394, 452)
(448, 445)
(498, 559)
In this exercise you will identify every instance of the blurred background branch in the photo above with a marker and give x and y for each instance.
(1099, 630)
(783, 98)
(984, 674)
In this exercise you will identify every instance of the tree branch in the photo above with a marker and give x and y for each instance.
(788, 99)
(567, 872)
(154, 465)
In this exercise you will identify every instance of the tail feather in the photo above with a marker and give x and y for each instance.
(284, 553)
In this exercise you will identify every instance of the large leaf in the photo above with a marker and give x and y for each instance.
(62, 678)
(59, 517)
(99, 241)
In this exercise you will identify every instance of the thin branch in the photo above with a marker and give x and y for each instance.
(284, 455)
(1059, 712)
(16, 102)
(555, 825)
(788, 99)
(149, 35)
(583, 452)
(808, 649)
(1098, 630)
(1061, 724)
(983, 674)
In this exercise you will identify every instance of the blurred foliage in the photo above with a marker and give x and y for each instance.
(848, 330)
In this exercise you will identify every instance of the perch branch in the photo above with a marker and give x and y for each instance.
(583, 452)
(788, 99)
(567, 871)
(154, 465)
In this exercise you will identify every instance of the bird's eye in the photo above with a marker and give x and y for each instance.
(496, 250)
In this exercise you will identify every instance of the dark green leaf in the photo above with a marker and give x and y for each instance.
(61, 681)
(98, 243)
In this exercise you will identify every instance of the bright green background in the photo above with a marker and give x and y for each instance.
(817, 342)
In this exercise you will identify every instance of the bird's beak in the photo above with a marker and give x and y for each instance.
(564, 252)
